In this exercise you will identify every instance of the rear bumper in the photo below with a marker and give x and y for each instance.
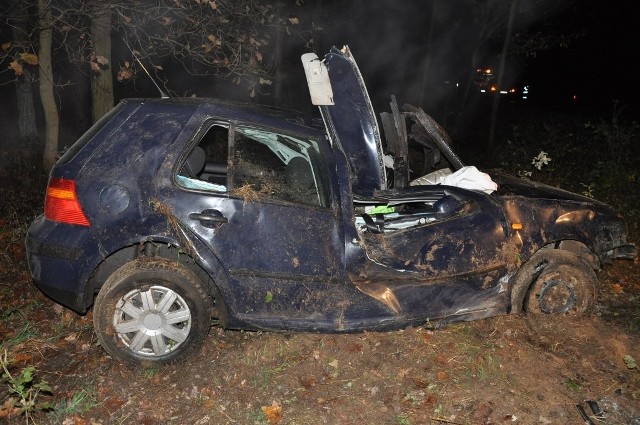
(58, 268)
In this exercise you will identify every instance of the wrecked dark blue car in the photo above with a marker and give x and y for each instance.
(171, 214)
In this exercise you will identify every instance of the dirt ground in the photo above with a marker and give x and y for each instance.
(504, 370)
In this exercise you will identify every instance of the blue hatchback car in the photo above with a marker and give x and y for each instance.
(169, 214)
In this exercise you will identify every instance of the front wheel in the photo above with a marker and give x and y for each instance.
(152, 310)
(564, 288)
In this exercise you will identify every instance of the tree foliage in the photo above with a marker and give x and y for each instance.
(242, 40)
(224, 38)
(207, 37)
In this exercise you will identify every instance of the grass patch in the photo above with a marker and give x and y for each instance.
(80, 403)
(149, 372)
(572, 385)
(25, 334)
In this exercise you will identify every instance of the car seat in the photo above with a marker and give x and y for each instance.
(194, 163)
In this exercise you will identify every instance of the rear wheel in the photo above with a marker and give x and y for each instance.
(152, 310)
(567, 285)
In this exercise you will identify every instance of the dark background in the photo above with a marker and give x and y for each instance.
(390, 40)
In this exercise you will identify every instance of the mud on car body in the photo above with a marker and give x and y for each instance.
(169, 214)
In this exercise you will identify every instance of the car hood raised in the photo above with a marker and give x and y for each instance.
(354, 123)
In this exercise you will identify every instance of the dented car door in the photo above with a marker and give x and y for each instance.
(269, 221)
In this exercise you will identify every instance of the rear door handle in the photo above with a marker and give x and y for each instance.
(209, 218)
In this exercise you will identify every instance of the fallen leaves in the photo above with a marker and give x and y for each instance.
(442, 376)
(403, 372)
(75, 420)
(21, 358)
(355, 347)
(273, 413)
(307, 381)
(113, 403)
(8, 409)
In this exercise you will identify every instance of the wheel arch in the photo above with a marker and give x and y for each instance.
(566, 251)
(578, 248)
(167, 249)
(152, 310)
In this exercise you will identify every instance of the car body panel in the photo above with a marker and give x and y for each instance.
(354, 123)
(549, 215)
(50, 247)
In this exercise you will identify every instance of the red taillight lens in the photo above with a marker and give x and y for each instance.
(61, 203)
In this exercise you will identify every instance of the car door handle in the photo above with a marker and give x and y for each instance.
(209, 218)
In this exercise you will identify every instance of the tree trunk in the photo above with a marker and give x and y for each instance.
(426, 68)
(101, 81)
(47, 98)
(24, 89)
(277, 93)
(461, 120)
(26, 110)
(503, 58)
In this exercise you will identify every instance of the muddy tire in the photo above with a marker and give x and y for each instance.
(567, 285)
(152, 311)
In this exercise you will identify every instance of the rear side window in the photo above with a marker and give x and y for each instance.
(89, 134)
(205, 168)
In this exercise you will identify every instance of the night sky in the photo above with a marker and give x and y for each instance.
(600, 67)
(597, 67)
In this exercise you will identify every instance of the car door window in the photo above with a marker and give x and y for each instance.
(264, 164)
(281, 166)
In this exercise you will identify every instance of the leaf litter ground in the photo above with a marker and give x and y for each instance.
(503, 370)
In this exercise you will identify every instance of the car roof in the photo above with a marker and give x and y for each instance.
(241, 111)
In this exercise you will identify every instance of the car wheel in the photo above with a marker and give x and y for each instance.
(562, 289)
(152, 310)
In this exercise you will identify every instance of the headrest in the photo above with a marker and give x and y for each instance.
(194, 164)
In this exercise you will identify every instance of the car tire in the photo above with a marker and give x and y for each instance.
(152, 311)
(567, 287)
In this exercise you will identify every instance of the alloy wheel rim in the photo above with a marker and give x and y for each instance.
(153, 321)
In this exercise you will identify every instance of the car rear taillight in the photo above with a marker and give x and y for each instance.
(61, 203)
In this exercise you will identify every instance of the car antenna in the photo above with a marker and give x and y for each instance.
(163, 95)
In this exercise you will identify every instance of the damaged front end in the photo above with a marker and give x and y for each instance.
(435, 228)
(549, 215)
